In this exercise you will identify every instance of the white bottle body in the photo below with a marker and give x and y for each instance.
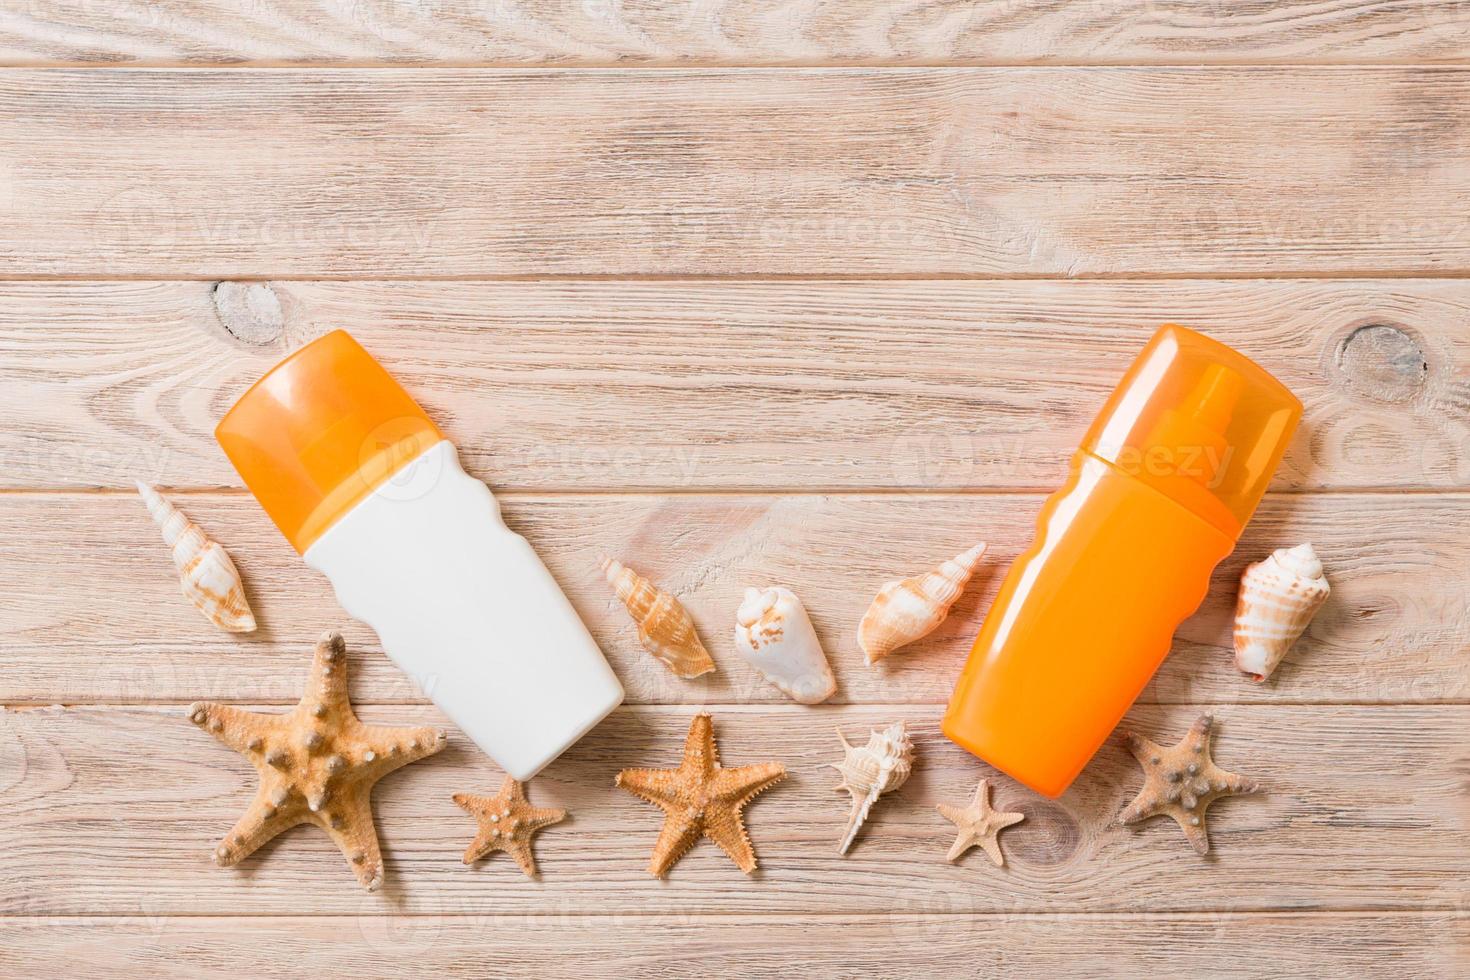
(465, 607)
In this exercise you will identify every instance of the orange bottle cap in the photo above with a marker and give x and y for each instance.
(321, 431)
(1199, 422)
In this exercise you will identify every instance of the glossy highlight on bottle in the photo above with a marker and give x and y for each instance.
(1159, 491)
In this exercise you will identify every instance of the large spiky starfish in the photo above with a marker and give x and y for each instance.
(701, 799)
(317, 765)
(980, 825)
(507, 823)
(1181, 781)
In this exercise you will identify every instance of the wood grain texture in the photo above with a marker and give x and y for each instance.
(997, 172)
(758, 32)
(490, 943)
(93, 612)
(725, 385)
(817, 326)
(115, 811)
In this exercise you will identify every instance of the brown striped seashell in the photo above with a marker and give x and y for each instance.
(664, 626)
(1278, 598)
(910, 609)
(207, 576)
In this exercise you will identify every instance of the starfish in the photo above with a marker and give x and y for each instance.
(979, 825)
(1182, 781)
(700, 798)
(507, 822)
(317, 765)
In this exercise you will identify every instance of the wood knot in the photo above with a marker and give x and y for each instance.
(250, 312)
(1382, 362)
(1052, 837)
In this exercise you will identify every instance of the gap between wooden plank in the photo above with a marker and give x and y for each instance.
(795, 491)
(856, 278)
(834, 64)
(1199, 913)
(724, 707)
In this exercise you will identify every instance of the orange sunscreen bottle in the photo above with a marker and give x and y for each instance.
(1164, 481)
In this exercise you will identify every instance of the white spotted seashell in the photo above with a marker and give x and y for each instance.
(869, 771)
(1278, 598)
(912, 608)
(207, 576)
(775, 636)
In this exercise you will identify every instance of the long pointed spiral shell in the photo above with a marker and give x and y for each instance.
(912, 608)
(207, 576)
(1278, 598)
(869, 771)
(664, 626)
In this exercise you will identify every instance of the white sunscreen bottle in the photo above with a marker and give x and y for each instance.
(372, 495)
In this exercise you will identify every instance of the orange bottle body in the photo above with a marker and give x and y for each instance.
(1167, 476)
(1080, 624)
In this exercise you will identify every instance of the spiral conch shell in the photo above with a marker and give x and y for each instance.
(664, 626)
(1278, 598)
(910, 609)
(869, 771)
(775, 636)
(207, 577)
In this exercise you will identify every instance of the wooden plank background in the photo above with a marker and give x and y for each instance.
(925, 171)
(810, 294)
(718, 32)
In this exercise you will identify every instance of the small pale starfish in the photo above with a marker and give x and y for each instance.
(1181, 781)
(979, 824)
(507, 823)
(317, 765)
(701, 798)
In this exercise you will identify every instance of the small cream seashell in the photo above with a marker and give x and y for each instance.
(912, 608)
(207, 576)
(664, 626)
(775, 636)
(1278, 598)
(869, 771)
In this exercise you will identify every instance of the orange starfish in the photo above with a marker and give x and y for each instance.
(317, 765)
(507, 823)
(701, 799)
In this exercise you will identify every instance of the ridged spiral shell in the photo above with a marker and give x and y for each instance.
(665, 627)
(869, 771)
(207, 576)
(1278, 598)
(912, 608)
